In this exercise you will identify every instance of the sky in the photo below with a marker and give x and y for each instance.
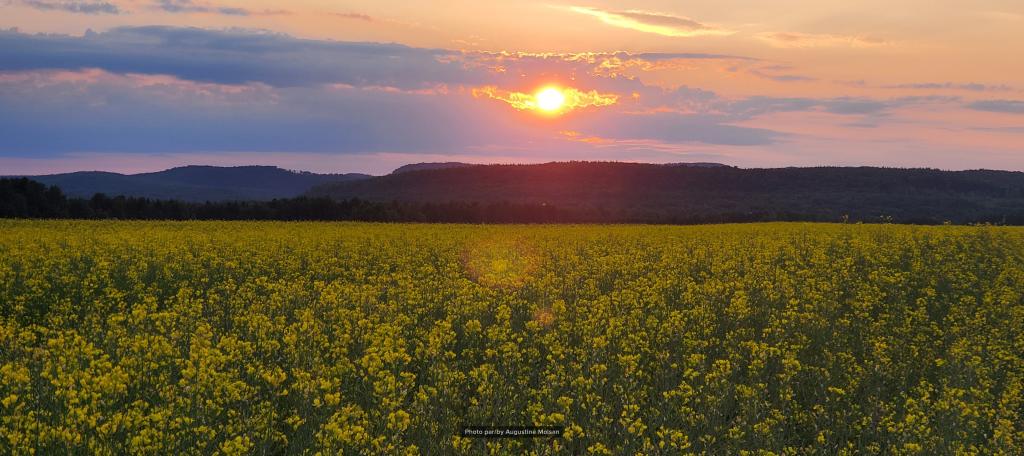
(367, 86)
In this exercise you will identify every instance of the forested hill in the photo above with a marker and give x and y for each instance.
(610, 191)
(195, 183)
(586, 193)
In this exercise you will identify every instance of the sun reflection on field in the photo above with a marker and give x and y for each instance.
(500, 263)
(543, 317)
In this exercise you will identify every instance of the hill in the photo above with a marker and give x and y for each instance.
(196, 183)
(428, 166)
(610, 191)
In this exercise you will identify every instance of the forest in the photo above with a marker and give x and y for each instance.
(584, 193)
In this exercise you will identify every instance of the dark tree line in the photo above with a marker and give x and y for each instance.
(25, 198)
(649, 193)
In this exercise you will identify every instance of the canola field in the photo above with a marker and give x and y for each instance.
(347, 338)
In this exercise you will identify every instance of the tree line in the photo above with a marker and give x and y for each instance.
(25, 198)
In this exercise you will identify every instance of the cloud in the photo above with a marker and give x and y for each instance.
(1009, 130)
(1000, 106)
(237, 56)
(615, 64)
(162, 90)
(605, 65)
(53, 113)
(852, 106)
(766, 73)
(83, 6)
(973, 87)
(807, 40)
(95, 111)
(659, 56)
(168, 6)
(355, 16)
(674, 128)
(188, 6)
(652, 22)
(232, 57)
(242, 56)
(753, 107)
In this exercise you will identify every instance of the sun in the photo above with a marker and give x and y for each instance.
(550, 99)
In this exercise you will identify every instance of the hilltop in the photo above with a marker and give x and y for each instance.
(614, 191)
(196, 183)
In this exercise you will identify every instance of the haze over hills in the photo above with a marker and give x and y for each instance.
(196, 183)
(665, 193)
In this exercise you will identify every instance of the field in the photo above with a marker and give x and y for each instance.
(304, 338)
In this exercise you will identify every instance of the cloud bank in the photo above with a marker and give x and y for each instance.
(186, 92)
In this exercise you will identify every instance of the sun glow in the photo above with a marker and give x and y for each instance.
(550, 99)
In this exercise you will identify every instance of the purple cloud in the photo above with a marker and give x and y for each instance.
(70, 6)
(1000, 106)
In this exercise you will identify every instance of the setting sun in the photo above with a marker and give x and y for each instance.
(550, 99)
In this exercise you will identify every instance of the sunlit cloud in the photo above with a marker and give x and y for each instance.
(573, 135)
(571, 98)
(621, 63)
(809, 40)
(652, 22)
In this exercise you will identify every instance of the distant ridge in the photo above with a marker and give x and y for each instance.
(196, 183)
(605, 192)
(616, 191)
(429, 166)
(698, 165)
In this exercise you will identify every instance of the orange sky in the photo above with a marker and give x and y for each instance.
(911, 83)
